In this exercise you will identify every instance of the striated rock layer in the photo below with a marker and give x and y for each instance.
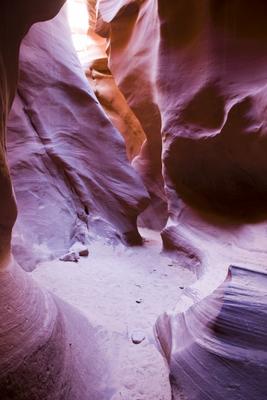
(217, 347)
(47, 350)
(132, 61)
(214, 339)
(194, 77)
(67, 161)
(92, 51)
(211, 92)
(207, 61)
(211, 85)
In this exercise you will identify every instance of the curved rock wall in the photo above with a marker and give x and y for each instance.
(211, 91)
(212, 77)
(217, 347)
(92, 52)
(48, 350)
(194, 75)
(43, 355)
(207, 61)
(58, 138)
(133, 63)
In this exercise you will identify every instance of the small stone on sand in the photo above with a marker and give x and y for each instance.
(138, 337)
(71, 256)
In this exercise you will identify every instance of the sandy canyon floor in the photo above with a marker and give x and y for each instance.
(122, 291)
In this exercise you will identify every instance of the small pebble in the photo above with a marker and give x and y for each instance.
(84, 253)
(80, 249)
(72, 257)
(138, 337)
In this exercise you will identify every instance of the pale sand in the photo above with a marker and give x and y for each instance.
(121, 290)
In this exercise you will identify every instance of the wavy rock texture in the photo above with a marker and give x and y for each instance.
(91, 49)
(132, 61)
(192, 77)
(43, 354)
(211, 86)
(58, 138)
(133, 111)
(218, 346)
(213, 339)
(212, 77)
(207, 62)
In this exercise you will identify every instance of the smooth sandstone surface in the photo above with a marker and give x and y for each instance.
(92, 50)
(211, 84)
(179, 88)
(209, 74)
(48, 351)
(133, 63)
(214, 334)
(67, 161)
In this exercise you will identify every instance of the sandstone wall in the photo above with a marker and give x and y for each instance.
(206, 62)
(68, 163)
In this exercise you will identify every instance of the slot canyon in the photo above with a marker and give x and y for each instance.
(133, 200)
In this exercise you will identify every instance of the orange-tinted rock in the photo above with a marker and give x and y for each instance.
(207, 64)
(132, 60)
(92, 52)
